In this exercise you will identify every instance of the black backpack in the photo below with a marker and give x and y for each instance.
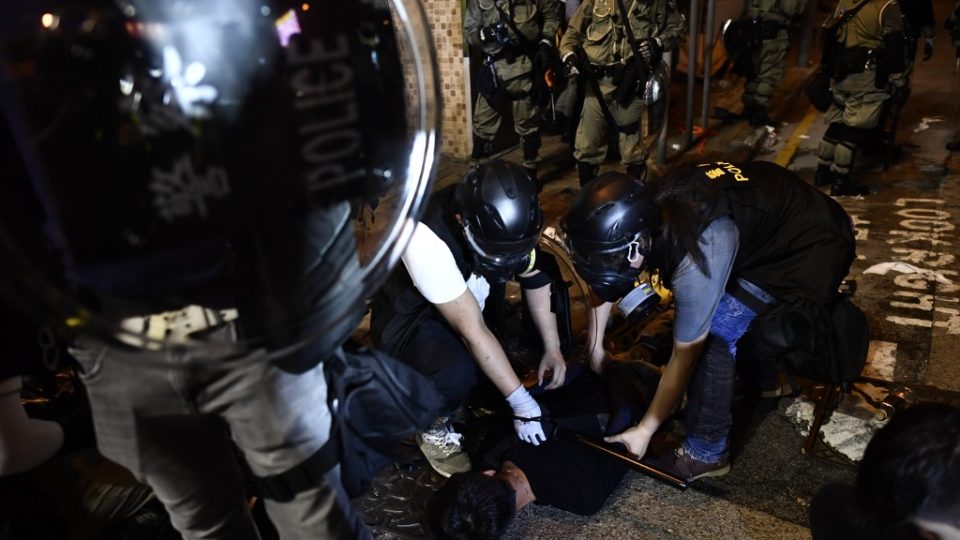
(826, 343)
(376, 402)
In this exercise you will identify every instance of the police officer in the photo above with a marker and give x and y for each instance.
(597, 47)
(183, 176)
(866, 61)
(765, 25)
(729, 239)
(516, 37)
(483, 230)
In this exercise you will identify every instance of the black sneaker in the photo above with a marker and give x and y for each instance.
(844, 189)
(680, 464)
(823, 176)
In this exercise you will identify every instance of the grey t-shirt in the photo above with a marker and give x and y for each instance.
(695, 294)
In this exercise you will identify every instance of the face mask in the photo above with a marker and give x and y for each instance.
(609, 284)
(500, 269)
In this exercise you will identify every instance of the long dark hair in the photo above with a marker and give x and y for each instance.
(686, 201)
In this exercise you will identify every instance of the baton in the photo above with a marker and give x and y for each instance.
(614, 452)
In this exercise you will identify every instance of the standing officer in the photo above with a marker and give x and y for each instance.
(600, 47)
(516, 37)
(866, 62)
(763, 54)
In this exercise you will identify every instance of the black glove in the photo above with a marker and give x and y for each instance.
(650, 50)
(543, 58)
(927, 49)
(572, 66)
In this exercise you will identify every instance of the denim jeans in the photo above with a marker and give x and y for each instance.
(170, 419)
(707, 417)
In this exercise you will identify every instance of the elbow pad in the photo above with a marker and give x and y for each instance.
(896, 52)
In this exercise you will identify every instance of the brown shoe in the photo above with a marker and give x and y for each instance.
(680, 464)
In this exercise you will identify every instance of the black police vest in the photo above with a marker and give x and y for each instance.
(398, 306)
(794, 240)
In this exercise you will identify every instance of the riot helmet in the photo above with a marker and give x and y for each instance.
(500, 217)
(610, 225)
(210, 158)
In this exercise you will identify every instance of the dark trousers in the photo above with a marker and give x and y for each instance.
(435, 350)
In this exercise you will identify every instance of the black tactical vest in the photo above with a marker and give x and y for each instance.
(398, 306)
(794, 240)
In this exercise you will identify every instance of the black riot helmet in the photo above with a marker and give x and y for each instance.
(609, 225)
(207, 158)
(501, 218)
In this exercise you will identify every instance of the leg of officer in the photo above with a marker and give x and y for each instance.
(525, 111)
(759, 90)
(631, 127)
(145, 422)
(279, 419)
(486, 123)
(435, 350)
(590, 146)
(828, 143)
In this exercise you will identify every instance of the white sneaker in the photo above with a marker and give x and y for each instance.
(441, 446)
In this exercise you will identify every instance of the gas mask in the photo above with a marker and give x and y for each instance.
(609, 270)
(497, 267)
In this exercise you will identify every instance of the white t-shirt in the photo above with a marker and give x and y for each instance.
(434, 272)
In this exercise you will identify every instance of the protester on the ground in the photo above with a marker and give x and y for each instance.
(561, 472)
(614, 62)
(907, 486)
(483, 230)
(517, 40)
(729, 240)
(865, 59)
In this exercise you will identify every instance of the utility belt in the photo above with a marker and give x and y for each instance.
(613, 70)
(174, 326)
(853, 60)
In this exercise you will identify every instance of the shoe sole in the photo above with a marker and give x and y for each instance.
(714, 473)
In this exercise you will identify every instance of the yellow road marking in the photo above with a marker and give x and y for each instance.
(785, 155)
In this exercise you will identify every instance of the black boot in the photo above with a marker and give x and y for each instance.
(531, 147)
(758, 116)
(824, 176)
(481, 148)
(638, 171)
(844, 186)
(586, 172)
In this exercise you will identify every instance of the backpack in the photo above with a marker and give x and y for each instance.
(826, 343)
(376, 402)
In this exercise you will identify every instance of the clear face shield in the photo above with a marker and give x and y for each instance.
(206, 176)
(500, 261)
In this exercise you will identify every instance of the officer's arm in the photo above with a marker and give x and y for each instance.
(673, 29)
(471, 24)
(551, 19)
(538, 300)
(573, 36)
(597, 319)
(891, 26)
(464, 315)
(673, 383)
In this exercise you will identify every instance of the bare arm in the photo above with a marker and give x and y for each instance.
(597, 319)
(673, 383)
(24, 442)
(546, 322)
(463, 313)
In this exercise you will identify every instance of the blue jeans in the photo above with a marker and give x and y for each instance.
(707, 415)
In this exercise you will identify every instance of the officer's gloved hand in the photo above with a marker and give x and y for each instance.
(526, 416)
(927, 49)
(494, 33)
(650, 49)
(571, 65)
(544, 55)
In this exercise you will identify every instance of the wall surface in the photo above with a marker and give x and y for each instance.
(446, 23)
